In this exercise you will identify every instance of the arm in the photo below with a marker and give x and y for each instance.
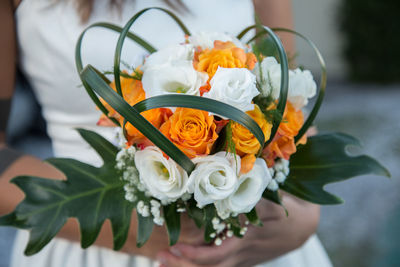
(277, 13)
(10, 167)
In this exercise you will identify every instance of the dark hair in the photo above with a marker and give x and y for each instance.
(85, 7)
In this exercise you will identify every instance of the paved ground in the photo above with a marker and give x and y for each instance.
(362, 232)
(365, 230)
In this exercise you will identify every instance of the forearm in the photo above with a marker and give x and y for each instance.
(277, 13)
(11, 195)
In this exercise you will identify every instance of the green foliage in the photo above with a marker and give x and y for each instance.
(253, 218)
(209, 214)
(371, 40)
(323, 160)
(173, 222)
(144, 230)
(195, 213)
(89, 194)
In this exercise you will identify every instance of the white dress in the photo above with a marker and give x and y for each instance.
(47, 32)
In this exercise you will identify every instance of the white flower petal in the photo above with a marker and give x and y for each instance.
(234, 86)
(162, 177)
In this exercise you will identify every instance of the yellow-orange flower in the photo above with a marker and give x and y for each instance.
(192, 131)
(224, 54)
(245, 141)
(283, 145)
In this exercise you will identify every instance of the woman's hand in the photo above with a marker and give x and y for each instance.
(279, 235)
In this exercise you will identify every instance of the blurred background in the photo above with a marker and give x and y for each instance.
(360, 41)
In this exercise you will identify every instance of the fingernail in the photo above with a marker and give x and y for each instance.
(175, 251)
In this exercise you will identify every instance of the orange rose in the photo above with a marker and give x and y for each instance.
(192, 131)
(283, 145)
(245, 141)
(224, 54)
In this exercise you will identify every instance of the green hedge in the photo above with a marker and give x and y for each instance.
(371, 31)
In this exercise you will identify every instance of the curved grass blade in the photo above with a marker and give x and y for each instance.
(323, 77)
(322, 85)
(79, 64)
(202, 103)
(125, 32)
(284, 74)
(90, 76)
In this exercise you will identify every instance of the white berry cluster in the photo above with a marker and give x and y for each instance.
(224, 230)
(279, 173)
(126, 164)
(153, 209)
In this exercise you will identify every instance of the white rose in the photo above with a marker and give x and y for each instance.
(179, 77)
(206, 39)
(162, 177)
(248, 191)
(169, 55)
(214, 177)
(301, 87)
(301, 83)
(234, 86)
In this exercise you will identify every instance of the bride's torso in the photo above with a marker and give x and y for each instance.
(47, 33)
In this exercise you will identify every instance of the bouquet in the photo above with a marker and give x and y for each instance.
(207, 127)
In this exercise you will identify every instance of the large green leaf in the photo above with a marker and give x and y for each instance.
(324, 160)
(89, 194)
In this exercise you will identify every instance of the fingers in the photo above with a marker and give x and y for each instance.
(169, 260)
(203, 255)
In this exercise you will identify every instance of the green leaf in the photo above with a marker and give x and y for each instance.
(103, 147)
(79, 64)
(90, 76)
(324, 160)
(195, 213)
(203, 103)
(144, 230)
(173, 222)
(235, 226)
(210, 213)
(89, 194)
(253, 217)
